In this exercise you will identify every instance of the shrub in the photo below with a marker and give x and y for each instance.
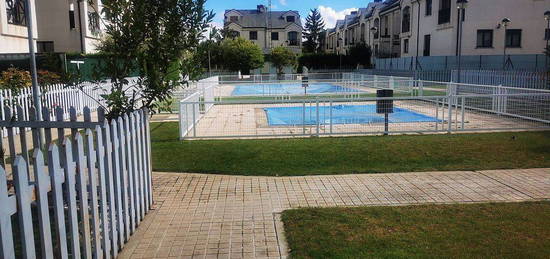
(241, 55)
(15, 79)
(282, 57)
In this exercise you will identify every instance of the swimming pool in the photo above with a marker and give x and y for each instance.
(279, 89)
(341, 114)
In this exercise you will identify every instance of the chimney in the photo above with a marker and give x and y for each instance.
(261, 8)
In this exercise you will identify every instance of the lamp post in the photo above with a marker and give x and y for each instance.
(374, 30)
(340, 53)
(547, 36)
(461, 5)
(505, 22)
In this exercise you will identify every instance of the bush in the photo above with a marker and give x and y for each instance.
(282, 57)
(15, 79)
(241, 55)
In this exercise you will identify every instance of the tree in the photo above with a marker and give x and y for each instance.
(312, 31)
(156, 38)
(282, 57)
(360, 54)
(241, 55)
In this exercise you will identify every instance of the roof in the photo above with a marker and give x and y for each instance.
(388, 4)
(256, 19)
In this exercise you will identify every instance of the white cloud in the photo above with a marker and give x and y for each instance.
(330, 16)
(282, 2)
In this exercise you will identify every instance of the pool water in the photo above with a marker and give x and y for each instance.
(341, 114)
(281, 89)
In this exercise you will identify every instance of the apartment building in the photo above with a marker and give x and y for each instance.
(68, 25)
(267, 29)
(408, 28)
(59, 26)
(13, 26)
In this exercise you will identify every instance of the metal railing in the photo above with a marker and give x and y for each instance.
(421, 106)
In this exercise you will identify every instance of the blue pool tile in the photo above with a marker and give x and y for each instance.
(340, 114)
(281, 89)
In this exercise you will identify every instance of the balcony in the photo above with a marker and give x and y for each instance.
(444, 16)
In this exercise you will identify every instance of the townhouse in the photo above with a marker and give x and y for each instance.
(409, 28)
(58, 25)
(267, 29)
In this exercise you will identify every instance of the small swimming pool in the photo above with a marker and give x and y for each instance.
(341, 114)
(281, 89)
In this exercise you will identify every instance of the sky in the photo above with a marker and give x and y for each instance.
(331, 10)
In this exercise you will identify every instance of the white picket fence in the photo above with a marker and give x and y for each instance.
(93, 178)
(87, 94)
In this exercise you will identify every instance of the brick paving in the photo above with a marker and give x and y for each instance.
(218, 216)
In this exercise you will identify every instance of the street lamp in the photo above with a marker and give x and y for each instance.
(339, 52)
(505, 22)
(374, 30)
(461, 6)
(547, 36)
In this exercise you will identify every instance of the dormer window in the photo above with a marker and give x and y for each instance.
(233, 18)
(290, 19)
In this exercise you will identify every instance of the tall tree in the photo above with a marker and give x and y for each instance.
(312, 31)
(156, 39)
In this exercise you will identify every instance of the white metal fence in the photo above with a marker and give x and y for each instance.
(79, 195)
(422, 106)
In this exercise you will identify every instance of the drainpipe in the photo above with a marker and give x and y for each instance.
(80, 26)
(417, 36)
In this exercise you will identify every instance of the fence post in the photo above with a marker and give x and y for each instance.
(330, 117)
(420, 88)
(317, 115)
(450, 107)
(462, 111)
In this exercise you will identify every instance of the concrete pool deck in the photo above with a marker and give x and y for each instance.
(220, 216)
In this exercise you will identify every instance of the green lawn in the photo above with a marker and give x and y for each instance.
(376, 154)
(503, 230)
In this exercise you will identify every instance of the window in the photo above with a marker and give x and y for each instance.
(93, 23)
(234, 18)
(406, 23)
(484, 38)
(428, 7)
(44, 46)
(406, 46)
(547, 34)
(290, 19)
(427, 43)
(253, 35)
(363, 32)
(15, 10)
(444, 15)
(377, 26)
(292, 38)
(72, 24)
(513, 38)
(274, 36)
(386, 23)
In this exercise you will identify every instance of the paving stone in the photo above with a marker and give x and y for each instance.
(219, 216)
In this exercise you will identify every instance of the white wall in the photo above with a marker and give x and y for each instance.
(526, 15)
(13, 38)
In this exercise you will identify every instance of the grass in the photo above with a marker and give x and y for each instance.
(503, 230)
(375, 154)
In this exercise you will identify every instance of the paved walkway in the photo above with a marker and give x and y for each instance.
(217, 216)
